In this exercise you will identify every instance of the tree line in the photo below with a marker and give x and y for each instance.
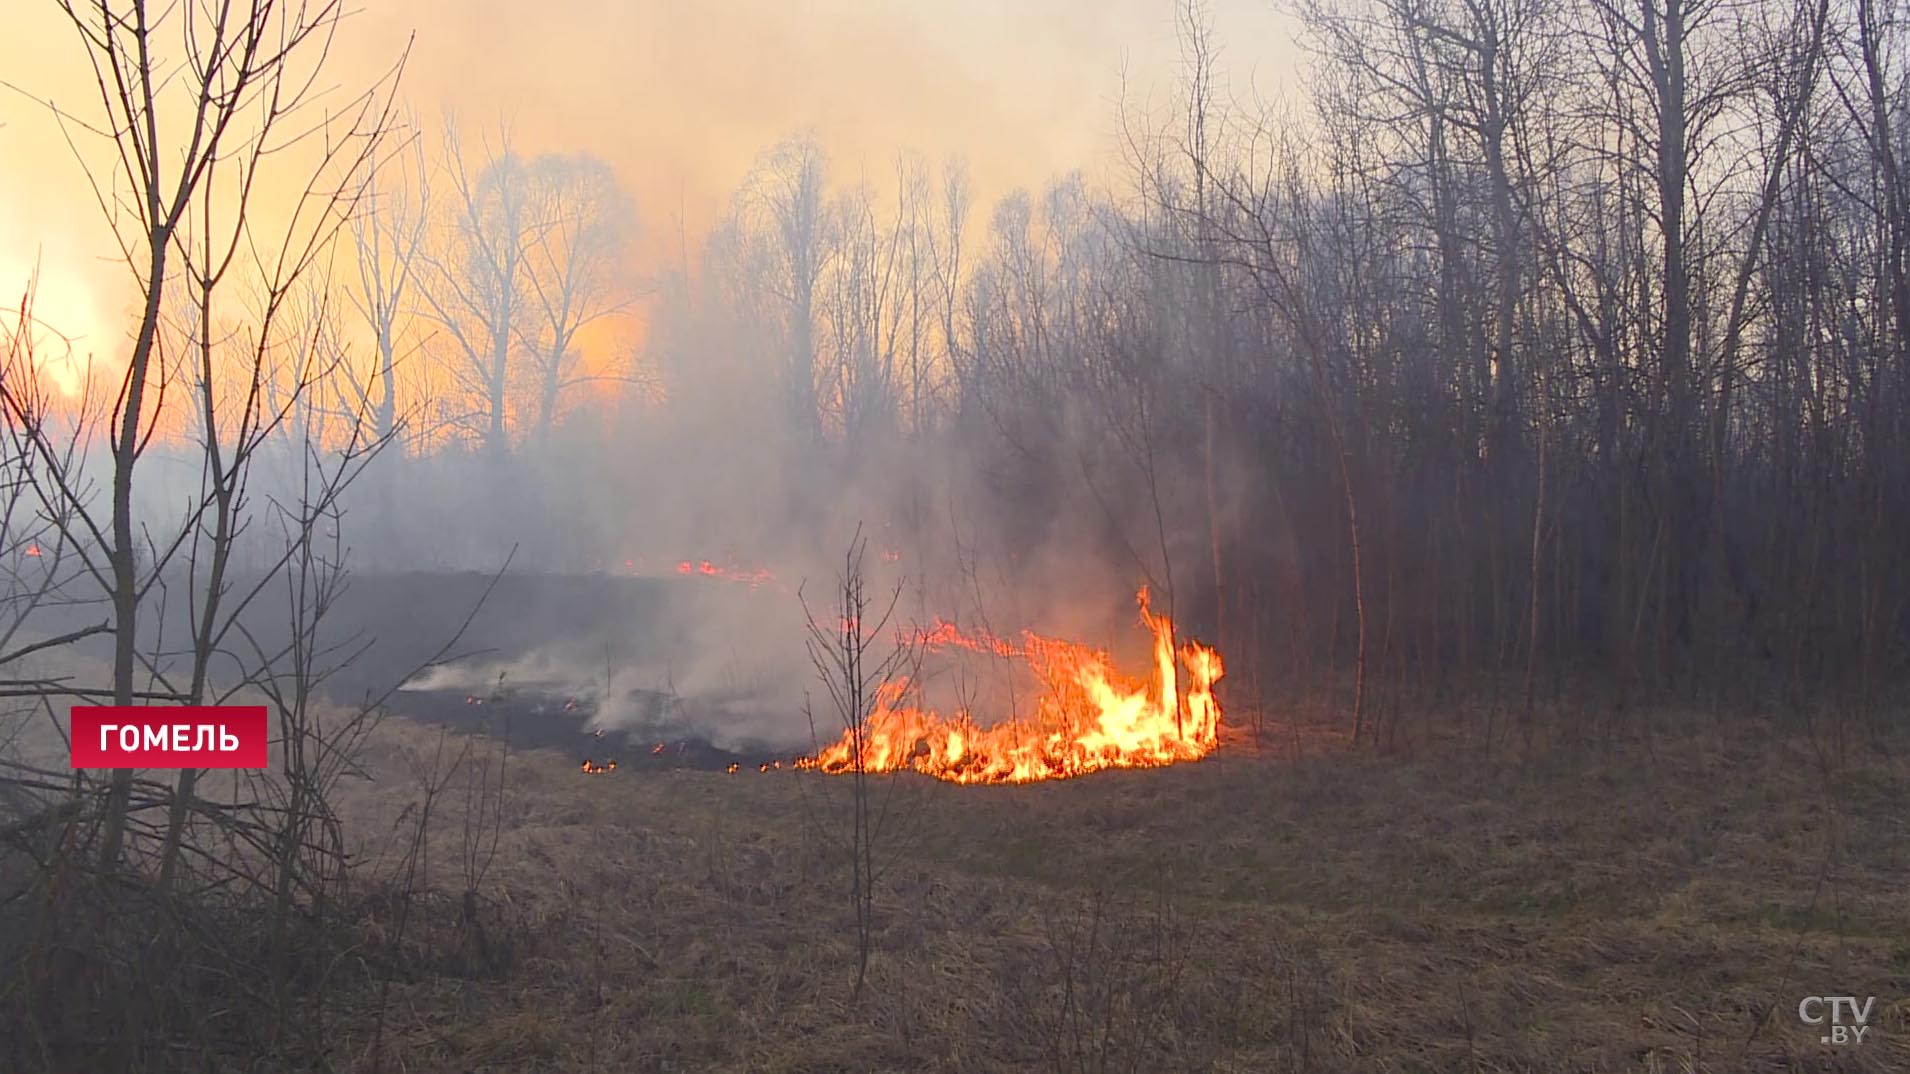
(1553, 343)
(1558, 345)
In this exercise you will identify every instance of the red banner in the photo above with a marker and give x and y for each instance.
(170, 736)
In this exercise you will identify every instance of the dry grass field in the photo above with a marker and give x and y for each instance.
(1656, 905)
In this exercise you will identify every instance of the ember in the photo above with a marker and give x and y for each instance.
(707, 569)
(1089, 717)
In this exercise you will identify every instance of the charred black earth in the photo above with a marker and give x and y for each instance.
(670, 670)
(530, 718)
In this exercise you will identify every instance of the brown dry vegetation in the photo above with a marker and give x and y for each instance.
(1654, 906)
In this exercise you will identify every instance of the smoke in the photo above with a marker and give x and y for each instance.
(731, 552)
(793, 389)
(713, 699)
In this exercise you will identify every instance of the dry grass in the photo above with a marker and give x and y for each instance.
(1594, 910)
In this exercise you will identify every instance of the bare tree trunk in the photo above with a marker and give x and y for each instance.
(1665, 50)
(122, 554)
(1535, 589)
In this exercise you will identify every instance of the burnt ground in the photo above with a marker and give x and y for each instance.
(1649, 902)
(617, 628)
(553, 720)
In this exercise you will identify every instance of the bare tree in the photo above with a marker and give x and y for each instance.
(573, 270)
(388, 235)
(856, 668)
(783, 202)
(232, 86)
(478, 287)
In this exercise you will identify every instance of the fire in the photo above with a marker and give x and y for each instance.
(592, 768)
(1089, 717)
(945, 634)
(707, 569)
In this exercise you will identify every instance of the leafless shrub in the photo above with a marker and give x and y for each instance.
(855, 655)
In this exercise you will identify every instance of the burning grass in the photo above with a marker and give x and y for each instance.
(1087, 716)
(1609, 910)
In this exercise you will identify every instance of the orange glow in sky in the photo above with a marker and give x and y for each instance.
(680, 98)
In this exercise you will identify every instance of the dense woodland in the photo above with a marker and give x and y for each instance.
(1556, 344)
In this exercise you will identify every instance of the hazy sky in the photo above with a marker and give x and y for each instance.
(679, 95)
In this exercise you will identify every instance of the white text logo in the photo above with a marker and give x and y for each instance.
(1843, 1018)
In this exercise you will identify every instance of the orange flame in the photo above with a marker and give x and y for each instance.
(1089, 717)
(707, 569)
(592, 768)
